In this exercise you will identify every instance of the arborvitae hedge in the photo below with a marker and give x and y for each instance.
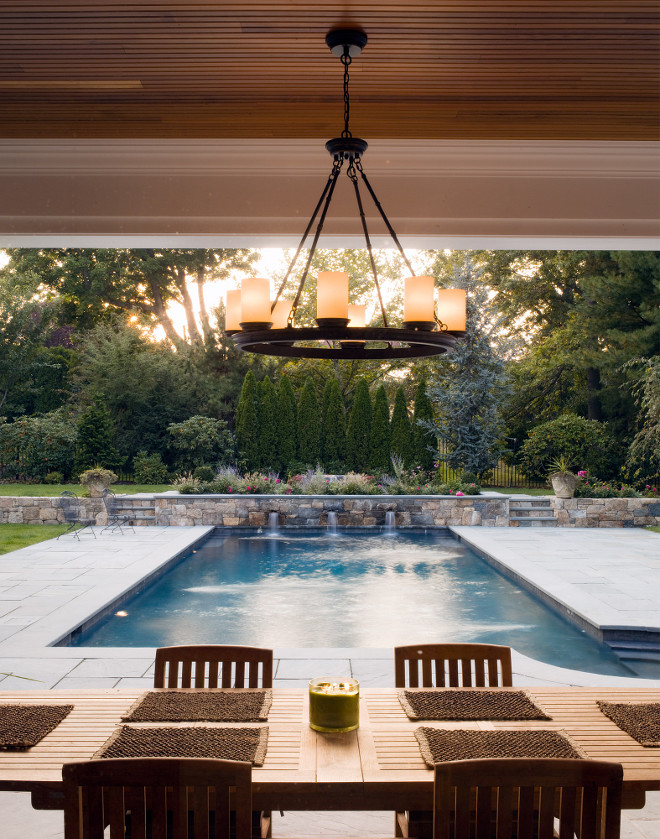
(95, 439)
(247, 424)
(422, 437)
(380, 434)
(288, 424)
(333, 427)
(269, 426)
(358, 441)
(401, 444)
(309, 431)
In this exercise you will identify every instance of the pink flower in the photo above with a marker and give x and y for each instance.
(582, 473)
(229, 490)
(277, 480)
(460, 493)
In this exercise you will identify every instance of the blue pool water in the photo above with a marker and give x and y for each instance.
(365, 590)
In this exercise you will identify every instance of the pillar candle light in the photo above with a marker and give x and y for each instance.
(332, 296)
(334, 705)
(233, 310)
(255, 300)
(418, 303)
(280, 314)
(451, 308)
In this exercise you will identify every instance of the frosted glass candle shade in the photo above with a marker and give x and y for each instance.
(357, 314)
(418, 303)
(332, 295)
(280, 314)
(255, 300)
(451, 308)
(233, 310)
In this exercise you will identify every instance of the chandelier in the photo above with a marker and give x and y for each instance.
(260, 325)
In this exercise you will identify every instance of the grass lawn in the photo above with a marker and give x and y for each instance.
(519, 491)
(50, 490)
(653, 527)
(15, 536)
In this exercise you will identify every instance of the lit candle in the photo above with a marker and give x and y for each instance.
(233, 310)
(334, 705)
(332, 297)
(357, 314)
(255, 301)
(418, 303)
(451, 308)
(280, 314)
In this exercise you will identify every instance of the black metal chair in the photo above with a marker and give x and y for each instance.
(72, 512)
(115, 519)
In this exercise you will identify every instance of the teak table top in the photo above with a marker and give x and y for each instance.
(377, 767)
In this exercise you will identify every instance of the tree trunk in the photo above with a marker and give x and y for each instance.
(193, 331)
(594, 407)
(209, 337)
(163, 318)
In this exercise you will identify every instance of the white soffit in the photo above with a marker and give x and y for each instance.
(221, 193)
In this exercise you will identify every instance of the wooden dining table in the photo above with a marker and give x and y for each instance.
(377, 767)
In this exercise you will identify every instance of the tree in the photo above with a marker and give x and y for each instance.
(358, 440)
(333, 427)
(201, 441)
(401, 441)
(247, 424)
(309, 432)
(95, 445)
(380, 458)
(470, 383)
(288, 427)
(423, 441)
(643, 459)
(269, 426)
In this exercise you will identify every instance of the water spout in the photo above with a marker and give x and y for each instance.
(332, 522)
(273, 522)
(390, 522)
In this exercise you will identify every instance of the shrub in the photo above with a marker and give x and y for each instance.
(354, 483)
(309, 430)
(584, 444)
(247, 422)
(95, 443)
(31, 447)
(199, 440)
(358, 431)
(186, 484)
(594, 488)
(53, 478)
(149, 468)
(205, 474)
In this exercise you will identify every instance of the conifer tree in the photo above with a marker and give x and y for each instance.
(288, 430)
(422, 436)
(358, 443)
(247, 424)
(333, 427)
(401, 444)
(95, 444)
(269, 426)
(380, 434)
(309, 431)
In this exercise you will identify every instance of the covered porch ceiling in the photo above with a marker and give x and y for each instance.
(505, 123)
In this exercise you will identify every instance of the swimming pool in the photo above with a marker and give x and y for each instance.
(315, 589)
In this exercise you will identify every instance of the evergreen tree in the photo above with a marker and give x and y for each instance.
(96, 439)
(269, 426)
(309, 432)
(358, 434)
(380, 434)
(247, 424)
(401, 444)
(288, 424)
(422, 437)
(333, 427)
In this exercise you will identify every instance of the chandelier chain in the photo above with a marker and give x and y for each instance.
(346, 61)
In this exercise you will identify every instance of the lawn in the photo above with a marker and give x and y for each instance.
(51, 490)
(15, 536)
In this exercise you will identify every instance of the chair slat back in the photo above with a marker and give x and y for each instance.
(522, 798)
(140, 797)
(452, 665)
(212, 666)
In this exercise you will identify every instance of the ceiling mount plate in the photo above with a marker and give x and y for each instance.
(349, 147)
(338, 39)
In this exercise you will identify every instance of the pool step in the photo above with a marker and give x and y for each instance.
(636, 650)
(530, 513)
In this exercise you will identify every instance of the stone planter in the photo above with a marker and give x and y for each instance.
(564, 484)
(96, 488)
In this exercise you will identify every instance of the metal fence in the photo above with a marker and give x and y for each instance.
(503, 475)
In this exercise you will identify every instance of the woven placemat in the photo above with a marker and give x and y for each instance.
(208, 705)
(470, 705)
(438, 745)
(226, 743)
(23, 726)
(642, 722)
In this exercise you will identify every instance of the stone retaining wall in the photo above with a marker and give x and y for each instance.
(351, 510)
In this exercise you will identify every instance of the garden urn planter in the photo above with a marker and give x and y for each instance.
(564, 484)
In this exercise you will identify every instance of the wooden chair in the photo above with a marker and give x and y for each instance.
(213, 666)
(446, 665)
(160, 798)
(452, 665)
(523, 798)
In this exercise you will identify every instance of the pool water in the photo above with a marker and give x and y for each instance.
(316, 589)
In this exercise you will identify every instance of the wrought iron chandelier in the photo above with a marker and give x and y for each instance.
(260, 326)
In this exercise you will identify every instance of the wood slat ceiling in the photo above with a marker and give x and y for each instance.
(471, 69)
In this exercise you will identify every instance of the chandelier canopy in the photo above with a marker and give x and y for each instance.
(260, 326)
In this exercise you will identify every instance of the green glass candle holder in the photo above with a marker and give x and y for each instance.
(334, 705)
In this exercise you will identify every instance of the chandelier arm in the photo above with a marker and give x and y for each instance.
(304, 237)
(358, 165)
(336, 169)
(354, 181)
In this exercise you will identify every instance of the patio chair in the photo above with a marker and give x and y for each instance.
(71, 508)
(213, 666)
(524, 798)
(160, 798)
(452, 665)
(116, 520)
